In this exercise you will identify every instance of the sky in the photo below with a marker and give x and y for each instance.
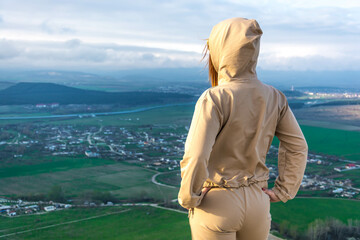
(321, 35)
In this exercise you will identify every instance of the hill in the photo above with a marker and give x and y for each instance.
(292, 94)
(338, 103)
(34, 93)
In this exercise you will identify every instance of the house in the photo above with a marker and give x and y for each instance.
(4, 209)
(350, 165)
(91, 154)
(338, 190)
(12, 214)
(28, 211)
(49, 208)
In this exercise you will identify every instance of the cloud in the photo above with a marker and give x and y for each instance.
(309, 63)
(8, 50)
(74, 54)
(53, 28)
(131, 34)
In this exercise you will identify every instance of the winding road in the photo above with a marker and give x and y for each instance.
(153, 180)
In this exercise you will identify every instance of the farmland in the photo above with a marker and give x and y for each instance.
(129, 177)
(100, 223)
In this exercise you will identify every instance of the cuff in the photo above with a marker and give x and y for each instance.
(192, 202)
(283, 197)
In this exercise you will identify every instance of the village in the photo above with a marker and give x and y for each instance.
(13, 208)
(155, 147)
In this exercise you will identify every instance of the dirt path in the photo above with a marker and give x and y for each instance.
(153, 180)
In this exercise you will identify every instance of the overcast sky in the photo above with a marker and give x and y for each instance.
(111, 35)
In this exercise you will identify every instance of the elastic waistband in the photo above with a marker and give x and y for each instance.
(261, 182)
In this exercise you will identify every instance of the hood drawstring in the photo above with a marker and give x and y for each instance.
(191, 212)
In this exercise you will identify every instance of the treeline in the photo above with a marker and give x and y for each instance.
(321, 229)
(55, 194)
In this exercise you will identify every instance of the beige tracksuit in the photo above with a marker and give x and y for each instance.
(230, 134)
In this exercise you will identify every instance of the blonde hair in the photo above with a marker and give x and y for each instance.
(213, 75)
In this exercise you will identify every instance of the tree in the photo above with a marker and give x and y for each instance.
(56, 194)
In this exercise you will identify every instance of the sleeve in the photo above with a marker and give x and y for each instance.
(292, 155)
(203, 130)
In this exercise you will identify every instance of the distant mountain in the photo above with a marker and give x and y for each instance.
(51, 76)
(34, 93)
(4, 85)
(185, 76)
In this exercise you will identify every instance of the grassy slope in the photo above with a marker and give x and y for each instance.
(151, 223)
(302, 211)
(144, 223)
(51, 167)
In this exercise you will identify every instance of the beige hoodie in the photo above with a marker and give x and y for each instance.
(234, 123)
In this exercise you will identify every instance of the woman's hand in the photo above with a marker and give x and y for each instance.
(271, 194)
(204, 191)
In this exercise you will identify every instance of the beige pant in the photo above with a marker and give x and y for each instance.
(232, 213)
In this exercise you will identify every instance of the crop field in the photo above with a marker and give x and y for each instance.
(76, 176)
(347, 116)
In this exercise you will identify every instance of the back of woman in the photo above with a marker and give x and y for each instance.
(232, 128)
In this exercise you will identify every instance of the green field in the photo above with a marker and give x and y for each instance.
(345, 144)
(165, 115)
(141, 223)
(302, 211)
(153, 223)
(52, 166)
(123, 180)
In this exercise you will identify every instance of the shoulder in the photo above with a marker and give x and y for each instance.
(211, 99)
(280, 99)
(207, 95)
(278, 94)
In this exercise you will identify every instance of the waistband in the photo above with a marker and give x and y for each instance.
(244, 182)
(263, 182)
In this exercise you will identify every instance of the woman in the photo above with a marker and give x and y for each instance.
(232, 128)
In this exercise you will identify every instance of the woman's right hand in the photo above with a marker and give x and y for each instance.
(204, 191)
(271, 194)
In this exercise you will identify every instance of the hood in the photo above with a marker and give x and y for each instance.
(234, 46)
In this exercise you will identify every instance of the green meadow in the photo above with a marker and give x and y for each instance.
(125, 223)
(76, 176)
(341, 143)
(300, 212)
(152, 223)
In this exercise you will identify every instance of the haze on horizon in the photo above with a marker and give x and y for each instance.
(116, 35)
